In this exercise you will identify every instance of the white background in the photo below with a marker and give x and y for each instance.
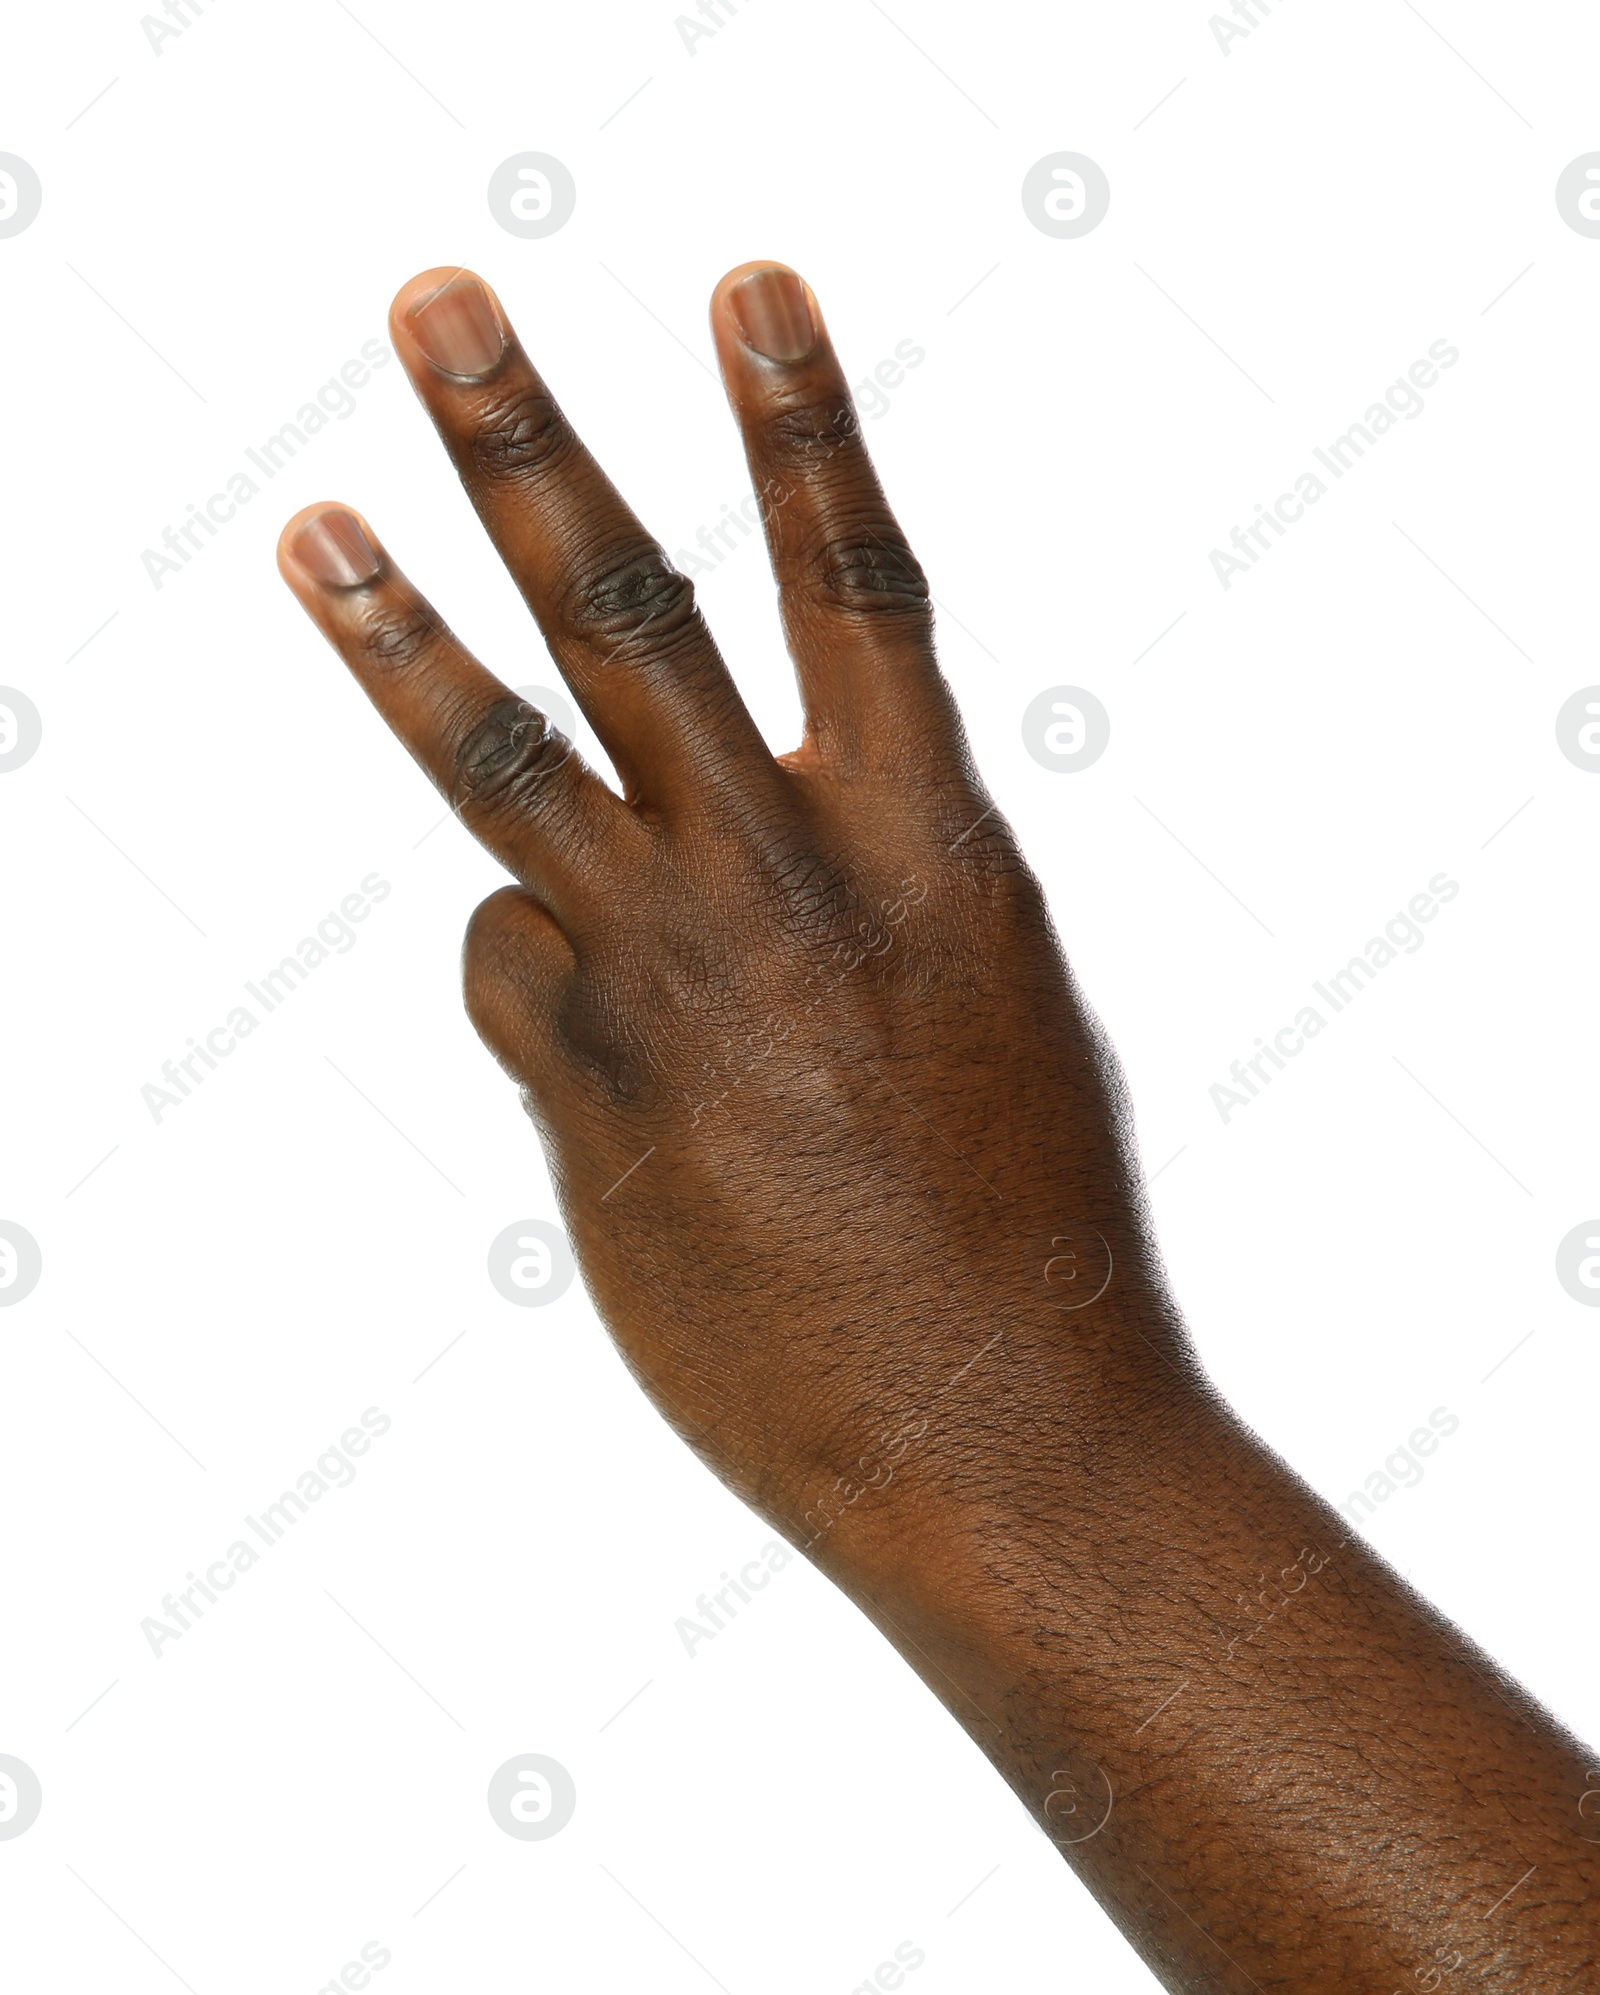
(1290, 763)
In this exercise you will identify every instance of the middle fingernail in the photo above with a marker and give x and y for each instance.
(773, 315)
(458, 328)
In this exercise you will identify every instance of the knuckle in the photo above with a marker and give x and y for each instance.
(983, 860)
(872, 569)
(508, 760)
(397, 636)
(993, 862)
(702, 972)
(815, 899)
(521, 437)
(862, 563)
(631, 599)
(809, 430)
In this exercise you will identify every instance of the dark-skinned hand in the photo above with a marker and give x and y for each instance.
(850, 1173)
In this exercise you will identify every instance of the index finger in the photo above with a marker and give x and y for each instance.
(516, 782)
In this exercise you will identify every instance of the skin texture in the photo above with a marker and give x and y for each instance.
(850, 1172)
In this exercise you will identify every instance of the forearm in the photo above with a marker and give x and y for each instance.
(1270, 1760)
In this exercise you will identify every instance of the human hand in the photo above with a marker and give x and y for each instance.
(845, 1158)
(849, 1171)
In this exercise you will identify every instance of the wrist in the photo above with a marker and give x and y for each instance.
(1011, 1466)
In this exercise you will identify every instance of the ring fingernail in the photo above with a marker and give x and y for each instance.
(458, 328)
(333, 548)
(774, 316)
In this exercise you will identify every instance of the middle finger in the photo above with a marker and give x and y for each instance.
(619, 619)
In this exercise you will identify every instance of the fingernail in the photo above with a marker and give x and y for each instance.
(458, 328)
(334, 549)
(773, 315)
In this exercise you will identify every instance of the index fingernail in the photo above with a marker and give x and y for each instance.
(773, 315)
(458, 328)
(333, 550)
